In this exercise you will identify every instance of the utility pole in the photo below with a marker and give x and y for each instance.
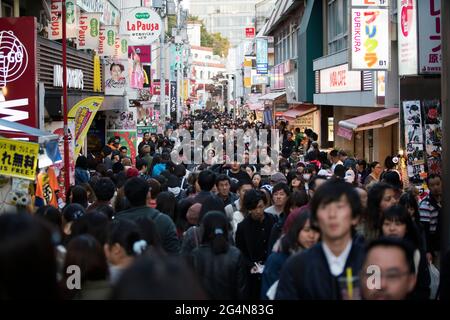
(179, 66)
(162, 59)
(445, 91)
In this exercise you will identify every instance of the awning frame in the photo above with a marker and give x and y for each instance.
(272, 96)
(390, 112)
(43, 136)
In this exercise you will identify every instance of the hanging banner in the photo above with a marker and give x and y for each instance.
(83, 114)
(55, 27)
(18, 76)
(370, 47)
(97, 74)
(173, 99)
(121, 48)
(262, 65)
(116, 77)
(127, 139)
(107, 41)
(110, 15)
(407, 37)
(88, 31)
(430, 59)
(72, 13)
(143, 25)
(18, 159)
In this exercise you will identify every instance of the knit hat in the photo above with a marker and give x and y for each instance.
(132, 172)
(278, 178)
(193, 214)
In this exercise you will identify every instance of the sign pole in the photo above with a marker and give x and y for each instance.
(65, 111)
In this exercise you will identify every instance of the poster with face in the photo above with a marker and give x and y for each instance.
(116, 78)
(413, 133)
(433, 134)
(127, 139)
(121, 120)
(432, 111)
(434, 165)
(411, 111)
(416, 172)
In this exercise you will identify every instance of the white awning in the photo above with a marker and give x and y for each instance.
(272, 96)
(43, 136)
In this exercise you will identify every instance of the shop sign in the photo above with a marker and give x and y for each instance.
(407, 37)
(75, 77)
(18, 76)
(370, 40)
(18, 159)
(110, 15)
(339, 79)
(345, 133)
(250, 32)
(430, 36)
(370, 3)
(88, 31)
(143, 25)
(107, 41)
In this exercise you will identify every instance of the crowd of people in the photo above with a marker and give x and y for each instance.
(314, 227)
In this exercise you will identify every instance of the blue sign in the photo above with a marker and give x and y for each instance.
(262, 68)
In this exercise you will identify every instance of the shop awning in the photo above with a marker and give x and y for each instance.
(272, 96)
(299, 112)
(374, 120)
(255, 106)
(43, 136)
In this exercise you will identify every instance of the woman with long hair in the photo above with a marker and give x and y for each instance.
(219, 265)
(300, 236)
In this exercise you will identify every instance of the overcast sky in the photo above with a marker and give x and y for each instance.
(186, 3)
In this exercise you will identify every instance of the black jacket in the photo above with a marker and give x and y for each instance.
(164, 226)
(307, 276)
(223, 276)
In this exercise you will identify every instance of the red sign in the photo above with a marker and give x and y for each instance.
(156, 88)
(249, 32)
(18, 76)
(345, 133)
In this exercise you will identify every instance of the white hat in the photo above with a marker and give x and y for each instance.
(323, 172)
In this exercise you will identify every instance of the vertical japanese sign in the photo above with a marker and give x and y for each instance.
(18, 77)
(72, 13)
(55, 27)
(18, 159)
(262, 66)
(370, 41)
(247, 72)
(107, 41)
(407, 37)
(173, 99)
(88, 30)
(429, 12)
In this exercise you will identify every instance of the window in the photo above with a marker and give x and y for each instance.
(201, 74)
(7, 10)
(337, 25)
(330, 129)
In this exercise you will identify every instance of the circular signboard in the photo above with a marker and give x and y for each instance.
(142, 25)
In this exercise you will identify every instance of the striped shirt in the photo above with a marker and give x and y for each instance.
(429, 213)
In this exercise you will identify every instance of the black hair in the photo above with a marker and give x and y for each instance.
(372, 165)
(400, 213)
(126, 233)
(136, 190)
(179, 170)
(82, 163)
(52, 215)
(374, 197)
(339, 171)
(79, 195)
(334, 153)
(313, 181)
(281, 186)
(408, 200)
(123, 148)
(252, 198)
(222, 177)
(298, 199)
(167, 203)
(122, 68)
(140, 163)
(94, 223)
(206, 180)
(432, 176)
(392, 178)
(86, 252)
(289, 243)
(158, 277)
(27, 258)
(342, 153)
(104, 189)
(72, 212)
(105, 209)
(388, 163)
(243, 182)
(403, 245)
(332, 191)
(106, 150)
(162, 183)
(155, 187)
(362, 163)
(215, 231)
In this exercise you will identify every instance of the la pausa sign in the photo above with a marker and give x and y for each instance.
(142, 25)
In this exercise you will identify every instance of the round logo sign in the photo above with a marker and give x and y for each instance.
(13, 58)
(142, 25)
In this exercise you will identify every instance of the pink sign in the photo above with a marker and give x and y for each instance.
(345, 133)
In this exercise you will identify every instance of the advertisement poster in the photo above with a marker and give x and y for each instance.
(412, 113)
(143, 53)
(83, 114)
(88, 30)
(127, 139)
(407, 37)
(430, 59)
(72, 12)
(432, 111)
(116, 77)
(414, 133)
(18, 73)
(121, 120)
(370, 39)
(262, 66)
(18, 159)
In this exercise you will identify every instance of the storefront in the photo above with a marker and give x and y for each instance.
(362, 125)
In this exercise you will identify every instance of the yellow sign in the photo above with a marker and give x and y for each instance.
(185, 90)
(83, 114)
(18, 159)
(97, 75)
